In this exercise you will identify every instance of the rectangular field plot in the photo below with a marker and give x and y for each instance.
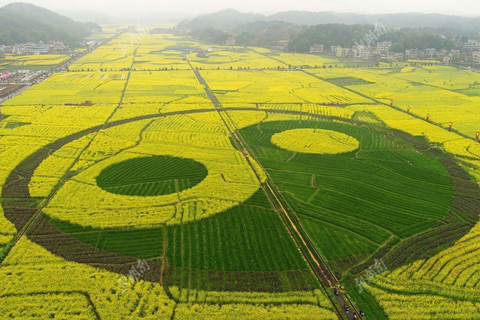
(232, 58)
(440, 76)
(139, 52)
(157, 57)
(164, 87)
(116, 55)
(32, 62)
(444, 93)
(301, 59)
(106, 58)
(74, 88)
(237, 88)
(51, 285)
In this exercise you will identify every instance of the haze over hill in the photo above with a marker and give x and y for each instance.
(23, 22)
(229, 19)
(124, 7)
(297, 31)
(135, 17)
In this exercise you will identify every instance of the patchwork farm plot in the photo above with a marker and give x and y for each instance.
(178, 87)
(231, 58)
(162, 183)
(151, 52)
(154, 58)
(299, 59)
(75, 89)
(13, 62)
(424, 92)
(252, 88)
(115, 56)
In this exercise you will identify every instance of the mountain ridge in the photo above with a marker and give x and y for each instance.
(23, 22)
(229, 19)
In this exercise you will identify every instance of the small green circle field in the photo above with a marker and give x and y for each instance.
(151, 176)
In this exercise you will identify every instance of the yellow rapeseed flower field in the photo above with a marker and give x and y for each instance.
(315, 141)
(137, 97)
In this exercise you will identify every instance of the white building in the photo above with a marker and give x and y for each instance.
(384, 46)
(455, 53)
(230, 41)
(476, 57)
(412, 54)
(394, 56)
(360, 51)
(472, 45)
(317, 48)
(430, 53)
(342, 52)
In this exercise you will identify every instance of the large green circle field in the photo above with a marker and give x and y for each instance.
(151, 176)
(353, 204)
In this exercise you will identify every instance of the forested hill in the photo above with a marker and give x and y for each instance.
(303, 29)
(229, 19)
(396, 20)
(22, 22)
(224, 20)
(349, 35)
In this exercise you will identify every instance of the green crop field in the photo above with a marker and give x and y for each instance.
(229, 252)
(338, 197)
(151, 176)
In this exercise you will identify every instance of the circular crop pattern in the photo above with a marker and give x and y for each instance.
(92, 196)
(177, 173)
(316, 141)
(151, 176)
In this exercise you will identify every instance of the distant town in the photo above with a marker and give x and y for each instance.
(21, 77)
(381, 52)
(469, 52)
(51, 47)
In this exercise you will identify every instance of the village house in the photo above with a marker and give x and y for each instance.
(317, 48)
(472, 45)
(476, 57)
(412, 54)
(342, 52)
(360, 51)
(384, 46)
(230, 41)
(29, 48)
(430, 53)
(394, 56)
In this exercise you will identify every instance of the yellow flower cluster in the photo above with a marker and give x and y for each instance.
(317, 141)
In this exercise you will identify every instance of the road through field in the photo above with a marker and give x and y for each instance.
(317, 264)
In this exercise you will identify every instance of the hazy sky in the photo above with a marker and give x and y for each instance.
(458, 7)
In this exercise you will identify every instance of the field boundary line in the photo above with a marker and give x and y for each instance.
(57, 187)
(397, 108)
(319, 268)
